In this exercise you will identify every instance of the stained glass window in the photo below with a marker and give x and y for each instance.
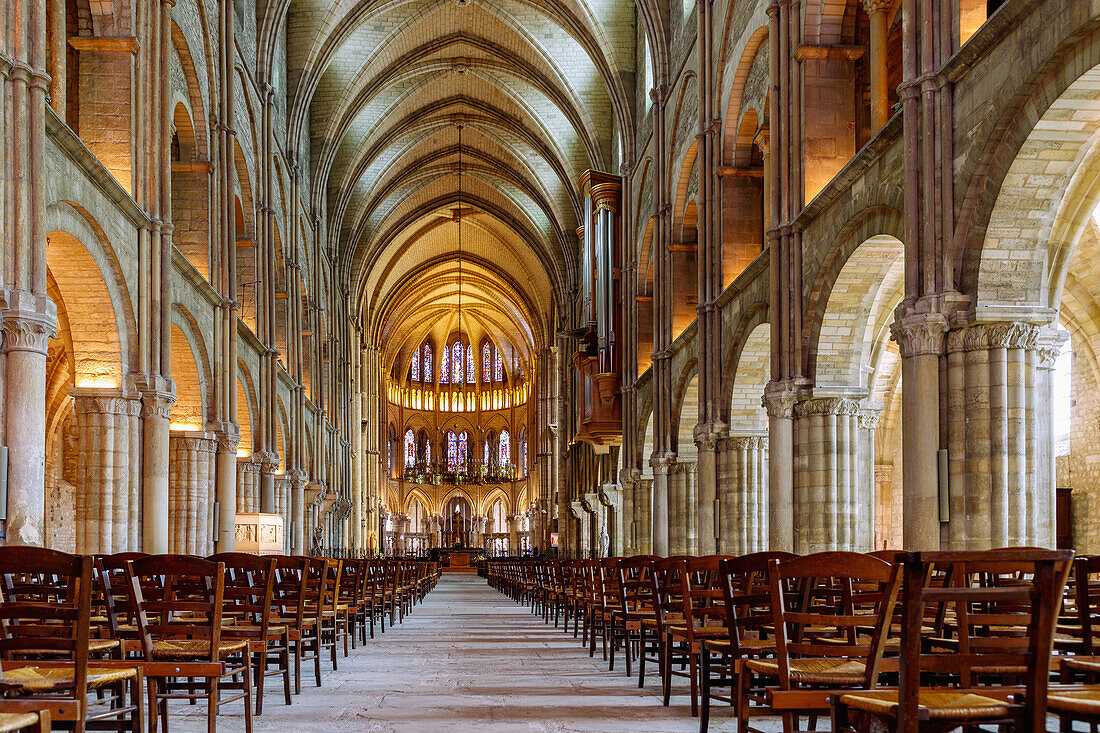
(525, 455)
(471, 373)
(456, 357)
(410, 449)
(486, 362)
(452, 450)
(427, 362)
(414, 370)
(498, 367)
(444, 366)
(505, 448)
(462, 440)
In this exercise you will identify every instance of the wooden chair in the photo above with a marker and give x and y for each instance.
(249, 593)
(293, 606)
(746, 602)
(45, 629)
(180, 626)
(818, 638)
(1005, 605)
(332, 619)
(635, 605)
(29, 722)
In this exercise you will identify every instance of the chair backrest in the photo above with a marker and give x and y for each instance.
(186, 604)
(1005, 607)
(840, 610)
(46, 607)
(1082, 606)
(667, 578)
(249, 591)
(701, 594)
(117, 607)
(747, 599)
(288, 599)
(635, 584)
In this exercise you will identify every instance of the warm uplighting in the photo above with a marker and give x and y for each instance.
(244, 453)
(97, 383)
(187, 427)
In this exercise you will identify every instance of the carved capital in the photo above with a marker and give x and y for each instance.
(29, 330)
(779, 400)
(269, 461)
(157, 404)
(919, 334)
(578, 509)
(984, 336)
(869, 414)
(85, 403)
(827, 406)
(876, 6)
(229, 437)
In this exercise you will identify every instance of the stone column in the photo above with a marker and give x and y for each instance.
(878, 11)
(779, 401)
(583, 545)
(743, 475)
(706, 520)
(28, 326)
(996, 440)
(628, 483)
(513, 534)
(297, 529)
(660, 508)
(611, 496)
(269, 463)
(248, 485)
(643, 522)
(834, 500)
(107, 499)
(226, 491)
(597, 524)
(920, 339)
(155, 411)
(191, 492)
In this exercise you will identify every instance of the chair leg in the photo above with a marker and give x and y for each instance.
(704, 683)
(298, 666)
(137, 718)
(284, 660)
(317, 656)
(259, 672)
(666, 672)
(211, 706)
(693, 664)
(247, 679)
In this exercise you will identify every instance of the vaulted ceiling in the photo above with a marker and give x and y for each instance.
(540, 89)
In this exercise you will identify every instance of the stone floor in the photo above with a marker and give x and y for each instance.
(467, 659)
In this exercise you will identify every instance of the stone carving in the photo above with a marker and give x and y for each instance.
(919, 335)
(827, 406)
(28, 333)
(984, 336)
(779, 400)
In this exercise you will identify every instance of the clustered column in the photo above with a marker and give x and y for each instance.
(743, 501)
(108, 485)
(682, 539)
(1000, 447)
(191, 493)
(248, 485)
(834, 493)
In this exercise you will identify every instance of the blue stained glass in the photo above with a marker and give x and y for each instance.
(486, 362)
(410, 449)
(471, 373)
(444, 367)
(462, 440)
(456, 358)
(498, 367)
(414, 372)
(505, 448)
(452, 451)
(427, 362)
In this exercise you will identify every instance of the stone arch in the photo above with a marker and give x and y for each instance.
(756, 44)
(246, 409)
(685, 410)
(497, 494)
(190, 371)
(417, 494)
(753, 370)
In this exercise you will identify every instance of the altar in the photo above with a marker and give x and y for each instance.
(458, 560)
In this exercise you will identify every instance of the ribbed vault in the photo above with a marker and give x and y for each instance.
(377, 92)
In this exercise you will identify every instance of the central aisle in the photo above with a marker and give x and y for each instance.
(467, 659)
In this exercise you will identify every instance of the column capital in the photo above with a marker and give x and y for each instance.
(1049, 344)
(919, 334)
(876, 6)
(827, 406)
(998, 335)
(29, 322)
(228, 435)
(157, 404)
(104, 402)
(779, 399)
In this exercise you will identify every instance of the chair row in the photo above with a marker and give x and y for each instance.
(97, 641)
(887, 640)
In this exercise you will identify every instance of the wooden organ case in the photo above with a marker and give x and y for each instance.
(598, 357)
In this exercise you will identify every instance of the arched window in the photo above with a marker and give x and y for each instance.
(456, 362)
(414, 369)
(410, 449)
(523, 451)
(498, 367)
(499, 519)
(505, 455)
(486, 362)
(1061, 410)
(471, 373)
(463, 439)
(427, 362)
(444, 366)
(452, 450)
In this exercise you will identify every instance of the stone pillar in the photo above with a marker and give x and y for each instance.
(229, 437)
(269, 463)
(597, 524)
(297, 529)
(628, 483)
(513, 534)
(706, 520)
(643, 522)
(743, 502)
(191, 492)
(108, 496)
(583, 545)
(28, 326)
(155, 410)
(779, 402)
(248, 485)
(611, 496)
(834, 500)
(878, 12)
(920, 338)
(996, 440)
(660, 509)
(681, 515)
